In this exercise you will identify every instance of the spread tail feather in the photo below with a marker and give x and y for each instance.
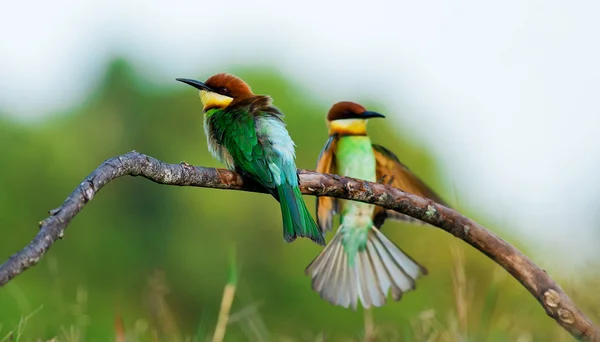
(297, 220)
(381, 265)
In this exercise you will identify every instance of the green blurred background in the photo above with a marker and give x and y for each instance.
(157, 258)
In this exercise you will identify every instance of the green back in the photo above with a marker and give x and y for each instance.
(251, 146)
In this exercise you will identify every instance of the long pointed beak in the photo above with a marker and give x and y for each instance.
(370, 115)
(195, 84)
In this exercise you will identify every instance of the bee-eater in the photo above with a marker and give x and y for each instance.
(247, 133)
(360, 262)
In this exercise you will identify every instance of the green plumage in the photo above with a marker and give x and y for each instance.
(354, 157)
(250, 137)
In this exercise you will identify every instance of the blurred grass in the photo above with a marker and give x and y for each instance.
(149, 262)
(426, 326)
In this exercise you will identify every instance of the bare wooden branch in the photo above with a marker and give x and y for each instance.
(554, 300)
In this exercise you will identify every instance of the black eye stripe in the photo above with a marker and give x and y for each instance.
(349, 114)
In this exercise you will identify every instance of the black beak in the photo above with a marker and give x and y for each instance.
(195, 84)
(370, 115)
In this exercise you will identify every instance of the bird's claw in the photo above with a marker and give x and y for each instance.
(391, 180)
(382, 180)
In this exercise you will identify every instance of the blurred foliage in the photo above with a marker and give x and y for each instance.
(152, 260)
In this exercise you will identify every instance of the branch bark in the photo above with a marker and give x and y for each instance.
(548, 293)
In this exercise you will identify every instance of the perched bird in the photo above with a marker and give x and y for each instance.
(247, 133)
(360, 262)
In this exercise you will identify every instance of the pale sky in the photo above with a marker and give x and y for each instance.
(505, 94)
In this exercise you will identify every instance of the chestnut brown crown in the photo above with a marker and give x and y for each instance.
(229, 85)
(350, 110)
(345, 110)
(349, 118)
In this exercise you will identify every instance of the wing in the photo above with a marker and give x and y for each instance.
(327, 207)
(259, 143)
(238, 134)
(392, 172)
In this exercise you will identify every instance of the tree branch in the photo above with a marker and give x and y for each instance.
(556, 303)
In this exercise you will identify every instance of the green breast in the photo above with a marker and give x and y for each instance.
(355, 158)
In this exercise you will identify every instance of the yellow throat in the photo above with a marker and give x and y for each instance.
(212, 100)
(348, 126)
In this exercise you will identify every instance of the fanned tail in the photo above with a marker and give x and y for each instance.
(381, 265)
(297, 220)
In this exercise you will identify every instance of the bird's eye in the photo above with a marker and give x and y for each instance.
(223, 90)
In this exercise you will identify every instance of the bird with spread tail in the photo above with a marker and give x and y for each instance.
(360, 263)
(247, 133)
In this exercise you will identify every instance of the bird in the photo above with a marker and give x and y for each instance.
(247, 133)
(360, 263)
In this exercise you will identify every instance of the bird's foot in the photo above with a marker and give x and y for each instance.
(383, 180)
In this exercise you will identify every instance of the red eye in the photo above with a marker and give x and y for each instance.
(223, 90)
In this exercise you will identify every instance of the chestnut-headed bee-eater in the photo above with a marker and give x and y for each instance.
(360, 262)
(247, 133)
